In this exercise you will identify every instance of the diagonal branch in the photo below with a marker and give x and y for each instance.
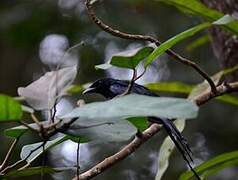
(148, 133)
(151, 39)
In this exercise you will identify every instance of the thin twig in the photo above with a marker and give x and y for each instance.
(9, 153)
(8, 168)
(151, 39)
(147, 134)
(130, 85)
(78, 167)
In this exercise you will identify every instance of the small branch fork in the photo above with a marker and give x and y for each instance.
(148, 133)
(151, 39)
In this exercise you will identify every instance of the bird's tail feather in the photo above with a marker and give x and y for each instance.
(179, 141)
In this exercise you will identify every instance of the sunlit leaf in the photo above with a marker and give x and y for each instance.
(42, 93)
(174, 87)
(10, 109)
(134, 105)
(174, 40)
(213, 165)
(36, 170)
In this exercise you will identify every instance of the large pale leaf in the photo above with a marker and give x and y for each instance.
(213, 165)
(103, 131)
(37, 149)
(197, 8)
(42, 93)
(135, 105)
(10, 109)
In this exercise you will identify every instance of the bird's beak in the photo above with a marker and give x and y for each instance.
(89, 90)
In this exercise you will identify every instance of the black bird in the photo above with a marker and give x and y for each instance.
(111, 88)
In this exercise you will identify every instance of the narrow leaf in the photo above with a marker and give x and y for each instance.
(212, 163)
(198, 43)
(197, 8)
(174, 40)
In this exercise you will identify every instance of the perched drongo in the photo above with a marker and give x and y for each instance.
(111, 88)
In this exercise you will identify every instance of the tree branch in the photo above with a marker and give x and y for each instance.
(151, 39)
(148, 133)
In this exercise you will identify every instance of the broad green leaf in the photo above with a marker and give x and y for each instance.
(198, 43)
(197, 8)
(135, 105)
(213, 165)
(130, 59)
(37, 149)
(10, 109)
(35, 170)
(127, 59)
(174, 40)
(42, 93)
(140, 123)
(174, 87)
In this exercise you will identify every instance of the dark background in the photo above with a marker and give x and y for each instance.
(23, 26)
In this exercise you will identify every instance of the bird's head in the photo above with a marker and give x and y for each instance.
(101, 86)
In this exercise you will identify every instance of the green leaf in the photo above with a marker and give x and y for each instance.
(134, 105)
(79, 139)
(127, 59)
(18, 131)
(15, 132)
(174, 87)
(174, 40)
(213, 165)
(198, 43)
(10, 109)
(197, 8)
(130, 59)
(140, 123)
(35, 170)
